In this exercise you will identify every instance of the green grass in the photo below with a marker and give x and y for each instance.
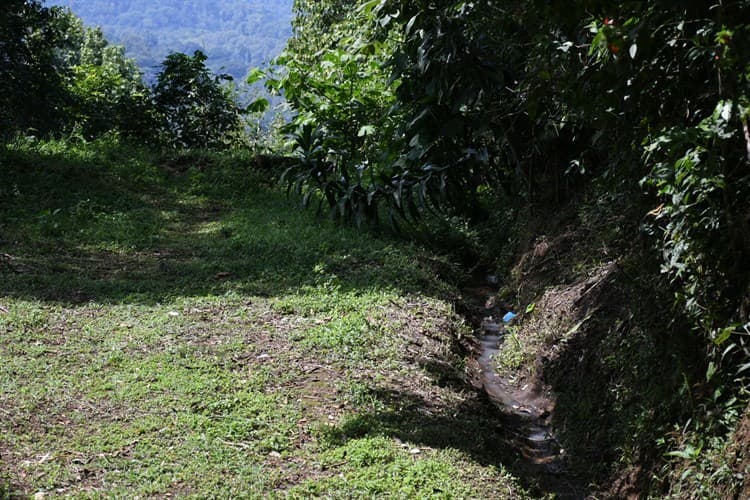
(176, 327)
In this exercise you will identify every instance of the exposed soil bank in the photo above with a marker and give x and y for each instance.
(607, 390)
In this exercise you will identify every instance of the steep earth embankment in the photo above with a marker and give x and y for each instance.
(624, 383)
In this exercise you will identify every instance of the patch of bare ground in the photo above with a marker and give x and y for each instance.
(422, 398)
(424, 381)
(63, 415)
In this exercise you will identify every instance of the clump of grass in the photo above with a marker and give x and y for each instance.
(513, 355)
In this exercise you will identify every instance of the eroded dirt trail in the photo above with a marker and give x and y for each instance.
(525, 411)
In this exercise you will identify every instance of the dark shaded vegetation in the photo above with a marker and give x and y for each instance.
(630, 118)
(484, 105)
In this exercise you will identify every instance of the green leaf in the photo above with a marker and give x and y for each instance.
(711, 371)
(689, 453)
(366, 130)
(255, 75)
(367, 8)
(724, 335)
(258, 106)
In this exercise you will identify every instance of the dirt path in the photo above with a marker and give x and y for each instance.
(525, 412)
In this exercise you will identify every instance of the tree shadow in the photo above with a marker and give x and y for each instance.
(618, 382)
(74, 231)
(475, 427)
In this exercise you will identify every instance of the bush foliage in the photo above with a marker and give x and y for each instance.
(533, 101)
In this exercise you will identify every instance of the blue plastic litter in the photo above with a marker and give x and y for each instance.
(509, 316)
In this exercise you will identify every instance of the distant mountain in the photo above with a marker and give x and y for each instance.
(235, 34)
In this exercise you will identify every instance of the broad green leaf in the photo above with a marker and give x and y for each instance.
(366, 130)
(258, 106)
(724, 335)
(255, 75)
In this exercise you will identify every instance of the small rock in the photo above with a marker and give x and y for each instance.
(274, 454)
(415, 451)
(174, 314)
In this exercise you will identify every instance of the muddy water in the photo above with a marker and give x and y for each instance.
(529, 424)
(525, 413)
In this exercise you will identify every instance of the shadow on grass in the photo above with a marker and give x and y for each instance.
(108, 226)
(474, 427)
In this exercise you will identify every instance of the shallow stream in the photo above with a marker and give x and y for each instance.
(526, 413)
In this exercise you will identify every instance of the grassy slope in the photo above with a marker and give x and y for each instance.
(178, 328)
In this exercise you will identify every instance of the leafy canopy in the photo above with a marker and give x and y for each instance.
(195, 110)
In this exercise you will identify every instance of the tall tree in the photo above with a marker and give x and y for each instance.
(196, 111)
(32, 92)
(106, 87)
(336, 83)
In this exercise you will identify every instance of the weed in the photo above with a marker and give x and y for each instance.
(512, 355)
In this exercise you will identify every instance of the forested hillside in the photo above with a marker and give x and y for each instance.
(523, 274)
(235, 34)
